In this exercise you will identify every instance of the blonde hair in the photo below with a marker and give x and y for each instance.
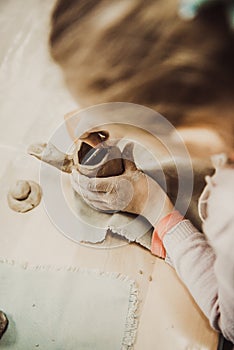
(141, 51)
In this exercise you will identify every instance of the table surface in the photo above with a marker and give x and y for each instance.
(33, 102)
(168, 316)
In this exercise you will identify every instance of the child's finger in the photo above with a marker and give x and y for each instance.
(104, 185)
(81, 180)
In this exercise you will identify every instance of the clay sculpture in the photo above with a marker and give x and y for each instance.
(99, 161)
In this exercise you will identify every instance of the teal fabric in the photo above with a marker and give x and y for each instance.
(66, 309)
(190, 8)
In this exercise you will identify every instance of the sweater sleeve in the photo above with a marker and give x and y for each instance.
(205, 262)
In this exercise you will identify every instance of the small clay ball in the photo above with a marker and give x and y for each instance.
(3, 323)
(20, 190)
(24, 196)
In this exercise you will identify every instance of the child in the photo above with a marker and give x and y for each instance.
(143, 52)
(205, 263)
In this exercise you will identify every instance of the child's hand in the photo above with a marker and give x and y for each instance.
(132, 192)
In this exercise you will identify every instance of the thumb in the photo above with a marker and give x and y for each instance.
(128, 158)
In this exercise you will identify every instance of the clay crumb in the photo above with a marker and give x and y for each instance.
(150, 278)
(3, 323)
(140, 272)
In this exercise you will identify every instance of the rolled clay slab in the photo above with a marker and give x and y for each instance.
(3, 323)
(24, 195)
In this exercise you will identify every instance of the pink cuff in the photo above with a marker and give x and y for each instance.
(162, 227)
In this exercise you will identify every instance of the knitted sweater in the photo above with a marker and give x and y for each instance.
(205, 261)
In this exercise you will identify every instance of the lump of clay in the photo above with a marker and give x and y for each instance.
(50, 154)
(3, 323)
(24, 196)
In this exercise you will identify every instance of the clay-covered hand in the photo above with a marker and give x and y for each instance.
(132, 192)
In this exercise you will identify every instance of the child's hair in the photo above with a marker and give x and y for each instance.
(141, 51)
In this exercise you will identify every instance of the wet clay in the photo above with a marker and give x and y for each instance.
(24, 196)
(48, 153)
